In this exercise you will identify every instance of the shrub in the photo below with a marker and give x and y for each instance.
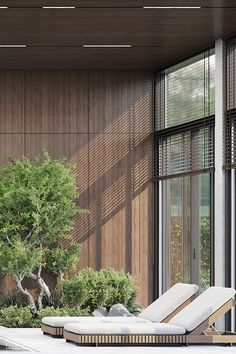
(119, 288)
(16, 317)
(73, 291)
(64, 311)
(22, 317)
(55, 300)
(99, 288)
(12, 298)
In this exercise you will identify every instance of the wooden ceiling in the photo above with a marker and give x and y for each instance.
(159, 37)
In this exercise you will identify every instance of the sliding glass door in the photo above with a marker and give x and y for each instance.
(186, 226)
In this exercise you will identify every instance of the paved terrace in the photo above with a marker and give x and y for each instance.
(34, 341)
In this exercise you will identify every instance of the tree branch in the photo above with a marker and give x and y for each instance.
(32, 276)
(42, 286)
(8, 240)
(26, 293)
(29, 234)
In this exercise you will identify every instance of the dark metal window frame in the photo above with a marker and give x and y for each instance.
(198, 123)
(178, 129)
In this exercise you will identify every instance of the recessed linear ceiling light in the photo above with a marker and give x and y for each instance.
(3, 7)
(172, 7)
(13, 45)
(107, 46)
(59, 7)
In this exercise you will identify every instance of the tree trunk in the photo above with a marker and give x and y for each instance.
(42, 286)
(43, 290)
(26, 293)
(40, 300)
(61, 276)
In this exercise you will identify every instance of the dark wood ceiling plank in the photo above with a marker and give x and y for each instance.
(104, 26)
(54, 38)
(118, 3)
(82, 58)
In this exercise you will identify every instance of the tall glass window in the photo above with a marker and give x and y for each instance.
(184, 168)
(185, 92)
(190, 90)
(187, 237)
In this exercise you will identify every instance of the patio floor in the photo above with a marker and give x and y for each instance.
(35, 341)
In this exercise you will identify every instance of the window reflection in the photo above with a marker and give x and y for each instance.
(188, 230)
(190, 90)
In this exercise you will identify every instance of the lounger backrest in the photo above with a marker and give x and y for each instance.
(202, 307)
(168, 302)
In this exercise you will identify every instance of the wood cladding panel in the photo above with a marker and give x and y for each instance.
(120, 198)
(57, 102)
(108, 154)
(11, 145)
(101, 122)
(141, 217)
(120, 103)
(11, 102)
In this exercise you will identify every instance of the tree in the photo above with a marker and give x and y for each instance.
(61, 260)
(38, 201)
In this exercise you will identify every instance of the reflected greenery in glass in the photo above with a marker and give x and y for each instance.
(190, 89)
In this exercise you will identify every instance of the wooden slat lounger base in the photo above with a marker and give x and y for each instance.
(212, 338)
(124, 339)
(227, 338)
(55, 332)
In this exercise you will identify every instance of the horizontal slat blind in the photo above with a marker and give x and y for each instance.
(230, 114)
(184, 118)
(185, 92)
(184, 153)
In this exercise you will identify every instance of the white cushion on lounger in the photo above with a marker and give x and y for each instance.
(168, 302)
(122, 328)
(202, 307)
(61, 321)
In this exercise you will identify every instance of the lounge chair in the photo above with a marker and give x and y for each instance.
(161, 310)
(190, 326)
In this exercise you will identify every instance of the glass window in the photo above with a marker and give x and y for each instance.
(190, 90)
(205, 232)
(188, 234)
(184, 160)
(183, 153)
(185, 92)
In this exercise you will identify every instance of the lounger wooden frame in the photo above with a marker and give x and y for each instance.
(124, 339)
(57, 332)
(200, 335)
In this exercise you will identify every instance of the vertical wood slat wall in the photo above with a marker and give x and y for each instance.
(101, 121)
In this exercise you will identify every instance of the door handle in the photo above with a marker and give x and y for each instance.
(194, 253)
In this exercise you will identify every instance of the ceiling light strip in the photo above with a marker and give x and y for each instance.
(59, 7)
(107, 46)
(13, 45)
(172, 7)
